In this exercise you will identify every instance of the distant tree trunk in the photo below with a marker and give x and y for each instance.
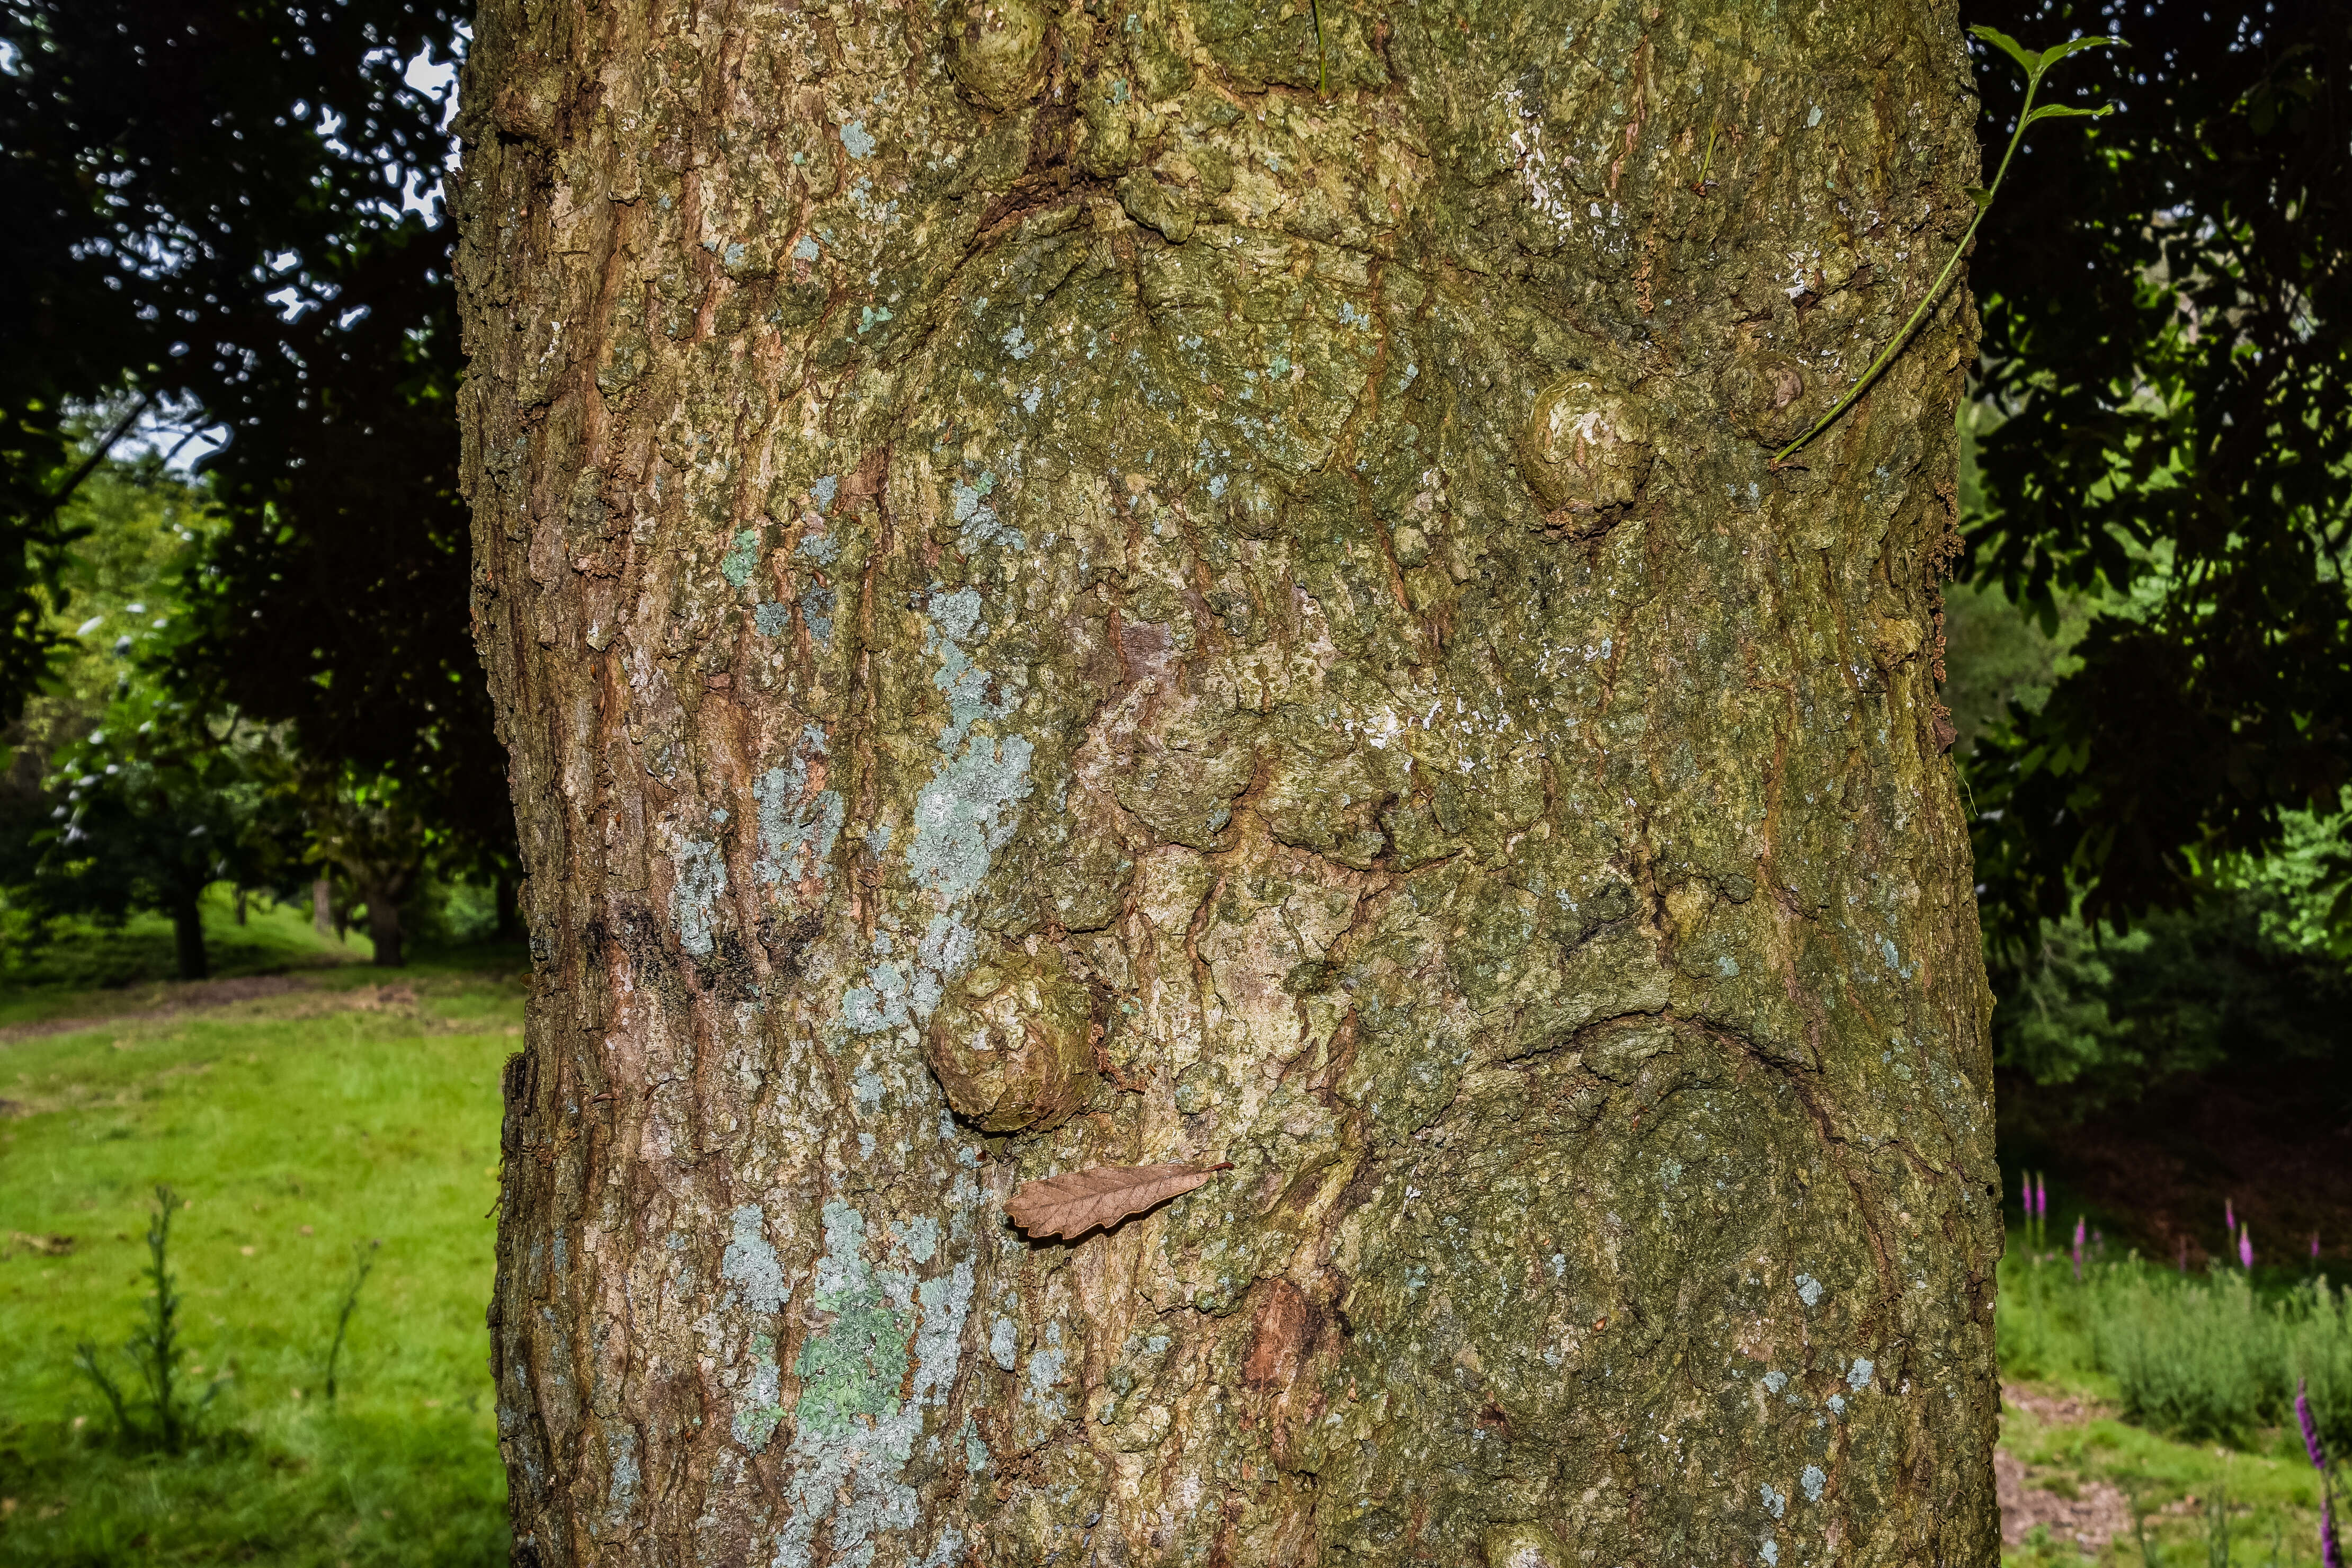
(322, 909)
(1059, 596)
(188, 937)
(240, 906)
(383, 924)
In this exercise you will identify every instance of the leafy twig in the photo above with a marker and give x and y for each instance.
(155, 1352)
(362, 1260)
(2035, 64)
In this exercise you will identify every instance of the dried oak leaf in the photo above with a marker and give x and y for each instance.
(1073, 1203)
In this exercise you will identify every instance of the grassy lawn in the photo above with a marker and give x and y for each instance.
(357, 1107)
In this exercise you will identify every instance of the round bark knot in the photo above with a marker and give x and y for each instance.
(1524, 1546)
(1013, 1045)
(1895, 639)
(996, 52)
(1585, 450)
(1767, 395)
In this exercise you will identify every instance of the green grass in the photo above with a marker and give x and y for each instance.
(298, 1126)
(2272, 1494)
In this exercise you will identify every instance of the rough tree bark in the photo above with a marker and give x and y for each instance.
(1060, 595)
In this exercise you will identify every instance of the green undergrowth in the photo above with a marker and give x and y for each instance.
(2203, 1358)
(2272, 1494)
(361, 1107)
(2183, 1386)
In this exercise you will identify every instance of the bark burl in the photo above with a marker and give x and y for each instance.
(1062, 596)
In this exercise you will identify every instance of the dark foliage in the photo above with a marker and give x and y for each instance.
(2105, 1015)
(2166, 305)
(213, 206)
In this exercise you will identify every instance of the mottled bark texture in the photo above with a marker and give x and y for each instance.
(1059, 597)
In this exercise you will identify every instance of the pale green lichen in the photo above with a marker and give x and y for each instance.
(967, 811)
(750, 1264)
(742, 558)
(798, 827)
(695, 898)
(853, 1434)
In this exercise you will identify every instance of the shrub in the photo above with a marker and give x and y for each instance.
(2317, 1325)
(2193, 1361)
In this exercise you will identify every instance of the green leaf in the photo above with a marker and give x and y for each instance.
(2024, 56)
(2051, 56)
(2067, 111)
(1978, 194)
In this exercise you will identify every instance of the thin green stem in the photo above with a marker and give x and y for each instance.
(1322, 69)
(1896, 345)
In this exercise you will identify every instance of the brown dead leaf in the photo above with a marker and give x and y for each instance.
(1071, 1205)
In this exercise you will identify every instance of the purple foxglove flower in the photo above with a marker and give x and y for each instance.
(2040, 1198)
(2246, 1246)
(2310, 1428)
(2331, 1555)
(2025, 1184)
(2230, 1216)
(2078, 1249)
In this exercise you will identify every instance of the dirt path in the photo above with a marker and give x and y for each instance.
(164, 1001)
(2096, 1512)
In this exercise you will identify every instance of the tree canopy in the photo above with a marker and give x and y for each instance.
(229, 209)
(2166, 300)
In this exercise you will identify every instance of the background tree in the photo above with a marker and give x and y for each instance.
(121, 795)
(156, 808)
(2163, 464)
(376, 843)
(231, 211)
(1070, 587)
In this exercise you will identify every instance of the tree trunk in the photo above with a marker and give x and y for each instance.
(322, 909)
(384, 926)
(1060, 597)
(188, 937)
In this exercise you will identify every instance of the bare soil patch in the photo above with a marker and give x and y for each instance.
(2095, 1514)
(2087, 1514)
